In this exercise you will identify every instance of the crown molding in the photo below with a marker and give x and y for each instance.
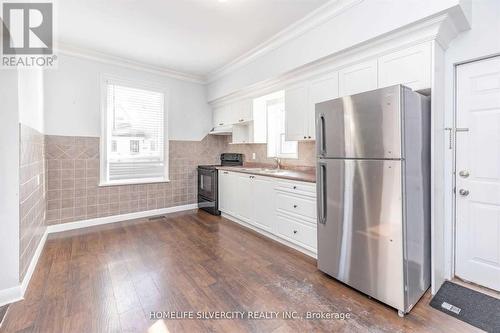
(441, 28)
(324, 13)
(72, 50)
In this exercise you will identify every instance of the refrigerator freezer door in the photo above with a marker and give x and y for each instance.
(366, 125)
(360, 226)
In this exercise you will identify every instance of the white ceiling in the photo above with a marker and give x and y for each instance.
(190, 36)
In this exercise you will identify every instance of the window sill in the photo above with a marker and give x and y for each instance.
(134, 182)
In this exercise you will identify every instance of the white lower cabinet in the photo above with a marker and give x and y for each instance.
(284, 210)
(263, 209)
(297, 231)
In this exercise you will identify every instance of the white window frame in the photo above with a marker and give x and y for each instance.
(279, 153)
(112, 79)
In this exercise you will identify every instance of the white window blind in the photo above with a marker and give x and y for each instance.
(135, 135)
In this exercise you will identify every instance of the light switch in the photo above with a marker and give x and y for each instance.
(253, 156)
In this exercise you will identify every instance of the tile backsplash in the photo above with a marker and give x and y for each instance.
(306, 154)
(73, 178)
(32, 194)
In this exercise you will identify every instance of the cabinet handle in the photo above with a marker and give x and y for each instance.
(294, 206)
(241, 120)
(305, 137)
(220, 124)
(295, 187)
(309, 136)
(294, 232)
(225, 172)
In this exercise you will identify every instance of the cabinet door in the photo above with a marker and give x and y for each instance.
(411, 67)
(226, 189)
(243, 110)
(320, 90)
(358, 78)
(263, 203)
(295, 113)
(218, 117)
(243, 197)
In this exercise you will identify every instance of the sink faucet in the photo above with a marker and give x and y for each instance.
(278, 163)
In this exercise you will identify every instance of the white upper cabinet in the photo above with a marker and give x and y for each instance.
(320, 90)
(222, 116)
(295, 112)
(410, 67)
(358, 78)
(233, 113)
(243, 110)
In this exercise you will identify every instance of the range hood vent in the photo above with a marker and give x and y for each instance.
(222, 130)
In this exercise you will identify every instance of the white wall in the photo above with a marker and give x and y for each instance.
(9, 184)
(72, 99)
(482, 40)
(31, 98)
(364, 21)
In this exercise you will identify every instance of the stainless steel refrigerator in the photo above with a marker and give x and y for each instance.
(373, 177)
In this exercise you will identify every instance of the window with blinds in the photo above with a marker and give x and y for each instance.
(134, 149)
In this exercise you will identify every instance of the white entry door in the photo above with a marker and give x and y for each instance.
(478, 173)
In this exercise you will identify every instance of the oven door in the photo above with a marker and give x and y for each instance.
(207, 183)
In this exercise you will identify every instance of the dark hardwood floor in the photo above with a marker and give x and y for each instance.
(109, 279)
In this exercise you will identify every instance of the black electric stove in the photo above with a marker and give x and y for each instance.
(208, 182)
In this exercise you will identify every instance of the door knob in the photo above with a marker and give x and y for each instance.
(464, 173)
(463, 192)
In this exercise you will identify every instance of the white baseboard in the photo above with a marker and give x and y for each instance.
(34, 261)
(116, 218)
(16, 293)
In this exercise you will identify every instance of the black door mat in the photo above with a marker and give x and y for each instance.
(475, 308)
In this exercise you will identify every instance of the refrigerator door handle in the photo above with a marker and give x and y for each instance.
(321, 134)
(322, 193)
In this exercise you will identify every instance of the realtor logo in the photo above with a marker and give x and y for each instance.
(27, 34)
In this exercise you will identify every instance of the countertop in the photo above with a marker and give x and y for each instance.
(300, 174)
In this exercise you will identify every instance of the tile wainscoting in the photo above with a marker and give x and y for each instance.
(32, 194)
(73, 177)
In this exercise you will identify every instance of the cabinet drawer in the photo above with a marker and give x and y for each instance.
(296, 232)
(308, 189)
(296, 205)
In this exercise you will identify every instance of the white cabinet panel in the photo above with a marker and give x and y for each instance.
(243, 110)
(243, 196)
(296, 232)
(295, 113)
(410, 67)
(263, 203)
(320, 90)
(223, 116)
(227, 183)
(296, 205)
(358, 78)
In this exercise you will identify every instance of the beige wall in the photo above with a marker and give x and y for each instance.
(31, 195)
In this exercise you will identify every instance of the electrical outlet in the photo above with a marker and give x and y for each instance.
(254, 156)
